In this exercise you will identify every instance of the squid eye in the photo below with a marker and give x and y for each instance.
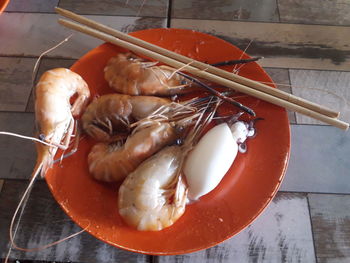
(242, 147)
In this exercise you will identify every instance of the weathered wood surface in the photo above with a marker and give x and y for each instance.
(17, 156)
(335, 12)
(282, 45)
(149, 8)
(282, 233)
(323, 87)
(41, 31)
(319, 160)
(44, 222)
(251, 10)
(331, 227)
(15, 82)
(32, 6)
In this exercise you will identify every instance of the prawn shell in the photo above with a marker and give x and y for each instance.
(130, 74)
(210, 160)
(144, 201)
(108, 165)
(110, 115)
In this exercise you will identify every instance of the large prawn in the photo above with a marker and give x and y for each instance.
(129, 74)
(55, 124)
(154, 196)
(54, 113)
(114, 161)
(108, 117)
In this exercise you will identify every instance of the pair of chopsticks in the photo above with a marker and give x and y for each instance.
(202, 70)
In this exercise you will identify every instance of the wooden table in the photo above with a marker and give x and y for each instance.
(304, 44)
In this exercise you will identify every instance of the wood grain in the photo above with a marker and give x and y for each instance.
(327, 88)
(251, 10)
(150, 8)
(318, 160)
(40, 32)
(32, 6)
(282, 45)
(331, 227)
(17, 156)
(15, 82)
(44, 222)
(335, 12)
(281, 234)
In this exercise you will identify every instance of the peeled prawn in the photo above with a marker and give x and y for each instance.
(130, 74)
(154, 196)
(54, 113)
(111, 115)
(113, 162)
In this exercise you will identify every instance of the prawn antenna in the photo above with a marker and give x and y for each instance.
(27, 138)
(221, 96)
(36, 65)
(21, 206)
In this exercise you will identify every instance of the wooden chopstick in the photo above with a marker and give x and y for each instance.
(205, 75)
(203, 66)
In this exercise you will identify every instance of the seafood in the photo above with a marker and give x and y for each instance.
(154, 196)
(214, 154)
(129, 74)
(113, 162)
(109, 116)
(54, 113)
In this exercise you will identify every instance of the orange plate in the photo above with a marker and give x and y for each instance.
(242, 195)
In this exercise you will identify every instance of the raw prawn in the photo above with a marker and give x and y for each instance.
(214, 154)
(109, 116)
(130, 74)
(54, 113)
(154, 196)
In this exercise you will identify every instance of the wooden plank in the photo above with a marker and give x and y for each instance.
(326, 88)
(281, 234)
(149, 8)
(40, 32)
(331, 226)
(318, 160)
(251, 10)
(44, 222)
(32, 6)
(17, 156)
(336, 12)
(46, 64)
(282, 45)
(15, 83)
